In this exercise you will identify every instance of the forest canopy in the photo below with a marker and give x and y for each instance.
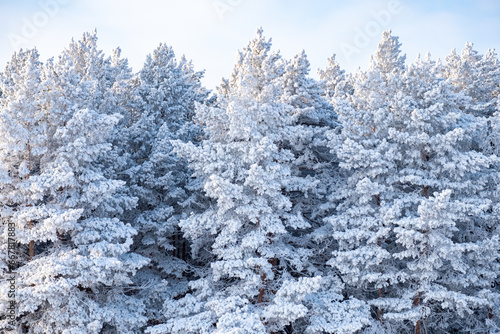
(363, 202)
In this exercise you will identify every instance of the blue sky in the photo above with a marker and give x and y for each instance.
(211, 31)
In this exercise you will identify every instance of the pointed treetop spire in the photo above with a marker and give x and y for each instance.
(301, 62)
(256, 67)
(388, 57)
(259, 45)
(333, 78)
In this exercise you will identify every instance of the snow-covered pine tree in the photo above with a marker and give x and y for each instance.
(412, 212)
(305, 95)
(23, 142)
(78, 275)
(476, 76)
(445, 219)
(251, 285)
(364, 239)
(314, 116)
(167, 94)
(336, 83)
(388, 58)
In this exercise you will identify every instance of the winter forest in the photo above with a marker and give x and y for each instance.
(365, 202)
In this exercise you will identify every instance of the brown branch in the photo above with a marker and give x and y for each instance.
(380, 312)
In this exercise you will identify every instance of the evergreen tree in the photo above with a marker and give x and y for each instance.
(476, 76)
(314, 117)
(305, 94)
(167, 94)
(364, 238)
(251, 285)
(359, 203)
(334, 80)
(79, 268)
(443, 211)
(23, 143)
(388, 58)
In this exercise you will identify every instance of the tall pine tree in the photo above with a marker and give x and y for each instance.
(79, 267)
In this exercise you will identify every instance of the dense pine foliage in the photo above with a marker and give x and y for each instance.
(364, 202)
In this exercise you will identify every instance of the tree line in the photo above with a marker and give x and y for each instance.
(363, 202)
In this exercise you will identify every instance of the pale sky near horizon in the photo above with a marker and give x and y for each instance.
(211, 31)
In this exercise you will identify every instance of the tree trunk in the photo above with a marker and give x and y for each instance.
(184, 250)
(30, 223)
(416, 302)
(425, 191)
(262, 290)
(380, 291)
(174, 243)
(32, 243)
(417, 327)
(274, 262)
(490, 316)
(380, 312)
